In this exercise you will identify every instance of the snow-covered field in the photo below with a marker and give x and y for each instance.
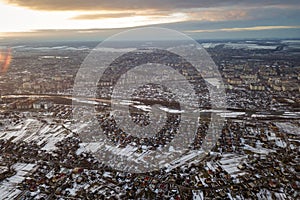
(288, 127)
(46, 135)
(8, 188)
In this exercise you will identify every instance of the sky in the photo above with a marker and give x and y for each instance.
(98, 19)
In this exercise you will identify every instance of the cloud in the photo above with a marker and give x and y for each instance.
(198, 17)
(161, 10)
(118, 14)
(254, 28)
(142, 4)
(218, 15)
(212, 15)
(103, 16)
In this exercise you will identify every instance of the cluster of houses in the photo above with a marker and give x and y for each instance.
(248, 161)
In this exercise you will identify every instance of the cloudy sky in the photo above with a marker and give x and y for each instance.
(89, 19)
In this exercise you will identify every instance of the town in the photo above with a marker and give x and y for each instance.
(255, 157)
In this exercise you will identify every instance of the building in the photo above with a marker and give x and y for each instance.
(248, 79)
(257, 87)
(24, 105)
(234, 81)
(290, 86)
(42, 105)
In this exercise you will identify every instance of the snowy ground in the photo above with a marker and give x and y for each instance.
(8, 186)
(288, 127)
(46, 135)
